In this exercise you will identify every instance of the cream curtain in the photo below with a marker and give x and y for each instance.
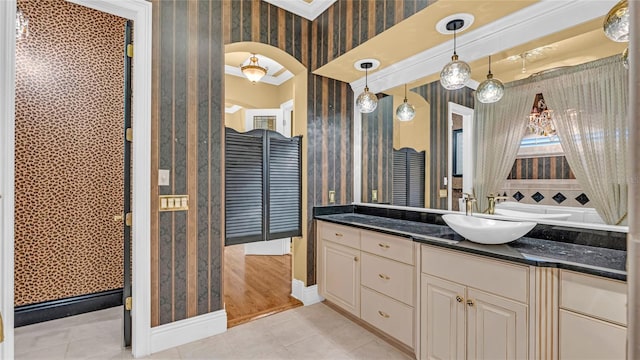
(498, 131)
(590, 114)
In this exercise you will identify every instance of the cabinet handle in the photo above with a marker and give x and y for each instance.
(339, 235)
(383, 276)
(459, 299)
(383, 314)
(384, 246)
(355, 258)
(470, 302)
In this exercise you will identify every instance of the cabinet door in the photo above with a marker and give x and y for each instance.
(442, 322)
(340, 276)
(496, 327)
(583, 337)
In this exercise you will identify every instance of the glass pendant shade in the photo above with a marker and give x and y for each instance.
(367, 102)
(490, 90)
(455, 74)
(22, 25)
(253, 71)
(625, 58)
(616, 23)
(406, 111)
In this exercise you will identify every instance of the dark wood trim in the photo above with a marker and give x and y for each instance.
(56, 309)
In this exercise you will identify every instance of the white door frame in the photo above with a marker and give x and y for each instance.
(467, 150)
(140, 12)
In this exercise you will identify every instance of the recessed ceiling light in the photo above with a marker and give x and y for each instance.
(441, 26)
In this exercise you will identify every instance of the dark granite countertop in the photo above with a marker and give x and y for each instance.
(593, 260)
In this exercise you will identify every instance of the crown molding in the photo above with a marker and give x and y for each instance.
(309, 11)
(503, 34)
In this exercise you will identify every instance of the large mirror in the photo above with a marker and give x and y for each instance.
(540, 180)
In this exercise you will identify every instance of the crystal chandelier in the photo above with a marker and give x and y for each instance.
(490, 90)
(616, 23)
(406, 111)
(22, 25)
(540, 122)
(367, 101)
(253, 71)
(456, 73)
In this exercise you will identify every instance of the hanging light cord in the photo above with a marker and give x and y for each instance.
(366, 78)
(454, 41)
(489, 64)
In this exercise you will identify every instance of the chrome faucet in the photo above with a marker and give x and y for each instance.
(492, 202)
(468, 200)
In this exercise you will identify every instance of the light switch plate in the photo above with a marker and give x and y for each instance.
(374, 195)
(164, 177)
(332, 196)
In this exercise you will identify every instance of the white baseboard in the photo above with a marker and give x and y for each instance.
(308, 295)
(271, 247)
(185, 331)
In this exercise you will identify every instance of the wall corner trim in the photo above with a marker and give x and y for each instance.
(185, 331)
(308, 295)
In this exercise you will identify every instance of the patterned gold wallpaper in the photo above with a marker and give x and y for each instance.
(69, 152)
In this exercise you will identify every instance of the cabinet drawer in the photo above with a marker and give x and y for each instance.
(497, 277)
(582, 337)
(594, 296)
(392, 247)
(341, 234)
(388, 315)
(388, 277)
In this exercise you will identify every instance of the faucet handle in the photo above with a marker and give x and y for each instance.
(468, 197)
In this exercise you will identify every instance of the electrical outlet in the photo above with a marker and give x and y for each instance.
(332, 196)
(374, 195)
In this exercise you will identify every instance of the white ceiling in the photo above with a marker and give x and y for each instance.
(309, 9)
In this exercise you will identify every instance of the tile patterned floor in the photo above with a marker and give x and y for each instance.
(309, 332)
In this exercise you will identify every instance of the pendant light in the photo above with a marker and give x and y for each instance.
(405, 111)
(253, 71)
(456, 73)
(616, 23)
(490, 90)
(367, 101)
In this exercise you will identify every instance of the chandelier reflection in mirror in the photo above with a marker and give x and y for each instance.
(405, 111)
(616, 23)
(367, 101)
(540, 122)
(22, 25)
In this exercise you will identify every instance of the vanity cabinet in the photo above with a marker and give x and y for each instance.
(592, 317)
(370, 275)
(472, 307)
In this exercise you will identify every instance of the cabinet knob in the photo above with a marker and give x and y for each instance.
(470, 302)
(383, 314)
(458, 299)
(383, 276)
(384, 246)
(355, 258)
(338, 235)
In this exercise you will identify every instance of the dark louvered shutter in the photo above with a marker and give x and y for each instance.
(243, 188)
(399, 196)
(263, 186)
(408, 177)
(415, 188)
(285, 188)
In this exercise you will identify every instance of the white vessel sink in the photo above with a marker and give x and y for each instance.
(487, 231)
(529, 215)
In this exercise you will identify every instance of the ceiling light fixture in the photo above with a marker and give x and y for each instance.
(456, 73)
(405, 111)
(490, 90)
(616, 23)
(253, 71)
(367, 101)
(22, 25)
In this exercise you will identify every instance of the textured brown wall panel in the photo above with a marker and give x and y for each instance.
(548, 167)
(69, 152)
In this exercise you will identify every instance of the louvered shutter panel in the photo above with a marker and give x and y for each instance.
(399, 194)
(285, 188)
(243, 188)
(415, 183)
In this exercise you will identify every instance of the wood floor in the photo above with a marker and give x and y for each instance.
(255, 285)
